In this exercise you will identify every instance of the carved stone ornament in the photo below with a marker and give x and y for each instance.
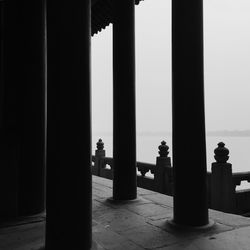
(163, 149)
(100, 145)
(221, 153)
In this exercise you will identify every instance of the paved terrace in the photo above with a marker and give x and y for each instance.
(136, 225)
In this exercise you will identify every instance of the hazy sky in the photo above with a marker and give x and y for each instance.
(227, 67)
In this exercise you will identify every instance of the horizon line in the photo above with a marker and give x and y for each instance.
(225, 132)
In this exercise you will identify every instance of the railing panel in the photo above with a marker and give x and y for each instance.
(144, 168)
(242, 201)
(145, 182)
(241, 176)
(106, 173)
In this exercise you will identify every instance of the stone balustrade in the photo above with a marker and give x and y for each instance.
(221, 181)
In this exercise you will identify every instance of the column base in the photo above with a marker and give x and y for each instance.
(176, 226)
(114, 201)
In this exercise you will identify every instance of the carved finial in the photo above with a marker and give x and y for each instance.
(100, 145)
(163, 149)
(221, 153)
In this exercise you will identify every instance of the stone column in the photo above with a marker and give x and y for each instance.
(189, 144)
(23, 107)
(124, 124)
(69, 126)
(1, 61)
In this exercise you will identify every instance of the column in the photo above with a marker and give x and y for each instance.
(124, 125)
(189, 144)
(69, 126)
(23, 108)
(1, 61)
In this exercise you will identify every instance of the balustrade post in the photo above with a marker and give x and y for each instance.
(99, 154)
(222, 186)
(163, 171)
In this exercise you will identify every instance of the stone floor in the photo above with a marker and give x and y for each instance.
(24, 234)
(140, 224)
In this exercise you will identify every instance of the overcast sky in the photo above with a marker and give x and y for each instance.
(227, 67)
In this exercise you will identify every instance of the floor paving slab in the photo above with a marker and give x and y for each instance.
(237, 239)
(23, 237)
(151, 211)
(142, 191)
(101, 181)
(119, 220)
(160, 199)
(149, 236)
(101, 191)
(100, 205)
(111, 240)
(229, 219)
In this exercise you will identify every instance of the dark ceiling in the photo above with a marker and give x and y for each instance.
(101, 14)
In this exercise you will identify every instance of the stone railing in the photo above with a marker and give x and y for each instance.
(161, 172)
(221, 182)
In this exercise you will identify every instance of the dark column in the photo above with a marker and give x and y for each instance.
(69, 130)
(1, 61)
(23, 107)
(189, 145)
(124, 127)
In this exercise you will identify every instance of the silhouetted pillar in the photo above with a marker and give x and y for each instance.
(1, 60)
(23, 108)
(124, 126)
(68, 206)
(189, 145)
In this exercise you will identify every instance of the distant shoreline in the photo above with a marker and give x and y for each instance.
(234, 133)
(223, 133)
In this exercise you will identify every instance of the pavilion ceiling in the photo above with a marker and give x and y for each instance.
(101, 14)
